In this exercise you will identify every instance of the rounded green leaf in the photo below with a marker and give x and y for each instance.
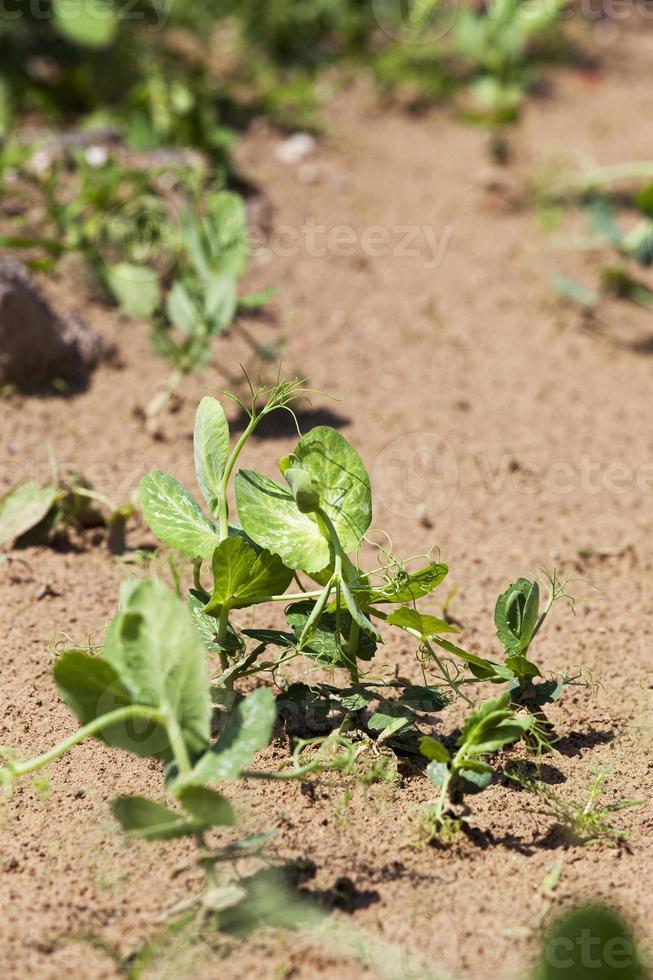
(92, 23)
(270, 516)
(344, 484)
(135, 288)
(211, 445)
(23, 508)
(248, 730)
(160, 659)
(175, 518)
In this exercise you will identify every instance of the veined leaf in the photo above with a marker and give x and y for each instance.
(23, 508)
(140, 817)
(248, 730)
(516, 614)
(206, 806)
(324, 645)
(425, 625)
(240, 574)
(91, 687)
(211, 444)
(160, 659)
(181, 309)
(433, 750)
(175, 518)
(270, 515)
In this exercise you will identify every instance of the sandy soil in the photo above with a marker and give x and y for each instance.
(540, 432)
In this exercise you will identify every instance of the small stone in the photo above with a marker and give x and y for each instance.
(296, 148)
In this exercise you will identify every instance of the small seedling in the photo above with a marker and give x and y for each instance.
(31, 514)
(580, 822)
(313, 526)
(492, 726)
(518, 620)
(631, 247)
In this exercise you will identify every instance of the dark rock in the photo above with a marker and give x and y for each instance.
(37, 346)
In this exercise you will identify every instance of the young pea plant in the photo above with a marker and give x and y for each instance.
(632, 246)
(31, 514)
(489, 728)
(149, 693)
(499, 44)
(122, 221)
(313, 527)
(518, 620)
(203, 301)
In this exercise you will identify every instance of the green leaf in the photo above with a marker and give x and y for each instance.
(473, 781)
(481, 668)
(241, 575)
(516, 614)
(206, 626)
(22, 508)
(211, 444)
(91, 23)
(270, 515)
(221, 300)
(356, 699)
(492, 726)
(175, 518)
(423, 698)
(181, 310)
(206, 806)
(425, 625)
(140, 817)
(522, 667)
(391, 719)
(433, 750)
(160, 659)
(91, 687)
(438, 773)
(248, 730)
(135, 288)
(406, 587)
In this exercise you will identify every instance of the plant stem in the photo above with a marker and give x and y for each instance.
(223, 508)
(19, 769)
(223, 627)
(178, 745)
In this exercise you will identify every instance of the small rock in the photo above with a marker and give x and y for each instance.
(296, 148)
(37, 346)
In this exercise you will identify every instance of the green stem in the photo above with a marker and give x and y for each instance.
(223, 505)
(178, 745)
(223, 628)
(20, 769)
(351, 648)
